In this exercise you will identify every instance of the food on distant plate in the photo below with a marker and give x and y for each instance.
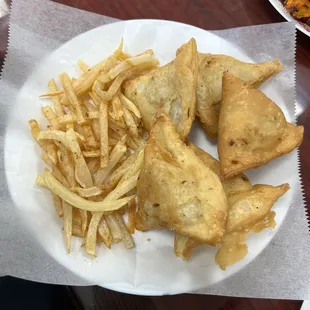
(249, 210)
(176, 190)
(116, 139)
(300, 9)
(252, 128)
(171, 88)
(209, 83)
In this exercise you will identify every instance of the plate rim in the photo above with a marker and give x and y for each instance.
(144, 291)
(276, 4)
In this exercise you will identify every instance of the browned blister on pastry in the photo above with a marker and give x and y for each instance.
(177, 191)
(209, 83)
(252, 128)
(171, 89)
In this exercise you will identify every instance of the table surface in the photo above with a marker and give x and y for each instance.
(206, 14)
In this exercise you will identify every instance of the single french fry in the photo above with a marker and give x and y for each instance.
(67, 210)
(114, 228)
(104, 138)
(92, 107)
(77, 231)
(117, 108)
(117, 152)
(87, 192)
(67, 119)
(51, 150)
(105, 233)
(83, 66)
(119, 51)
(124, 167)
(34, 128)
(92, 154)
(66, 165)
(129, 105)
(126, 236)
(52, 87)
(131, 224)
(85, 82)
(51, 117)
(40, 181)
(46, 159)
(134, 168)
(84, 220)
(89, 136)
(76, 217)
(82, 174)
(58, 205)
(59, 176)
(52, 94)
(48, 146)
(72, 97)
(93, 165)
(130, 122)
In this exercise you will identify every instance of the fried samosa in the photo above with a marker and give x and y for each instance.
(249, 210)
(183, 245)
(252, 128)
(171, 88)
(177, 191)
(209, 84)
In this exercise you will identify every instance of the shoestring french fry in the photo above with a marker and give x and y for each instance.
(116, 154)
(69, 91)
(129, 105)
(93, 149)
(119, 191)
(83, 66)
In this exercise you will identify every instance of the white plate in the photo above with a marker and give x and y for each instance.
(151, 267)
(281, 9)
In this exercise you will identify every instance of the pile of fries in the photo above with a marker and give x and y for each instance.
(94, 147)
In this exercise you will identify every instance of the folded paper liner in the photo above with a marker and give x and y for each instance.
(37, 27)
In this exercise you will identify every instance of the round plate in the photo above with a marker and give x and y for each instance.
(282, 10)
(151, 268)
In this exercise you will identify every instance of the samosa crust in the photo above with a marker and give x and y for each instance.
(252, 128)
(171, 89)
(209, 84)
(177, 191)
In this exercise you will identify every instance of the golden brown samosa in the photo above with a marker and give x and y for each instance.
(252, 128)
(183, 245)
(171, 88)
(209, 84)
(249, 210)
(176, 190)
